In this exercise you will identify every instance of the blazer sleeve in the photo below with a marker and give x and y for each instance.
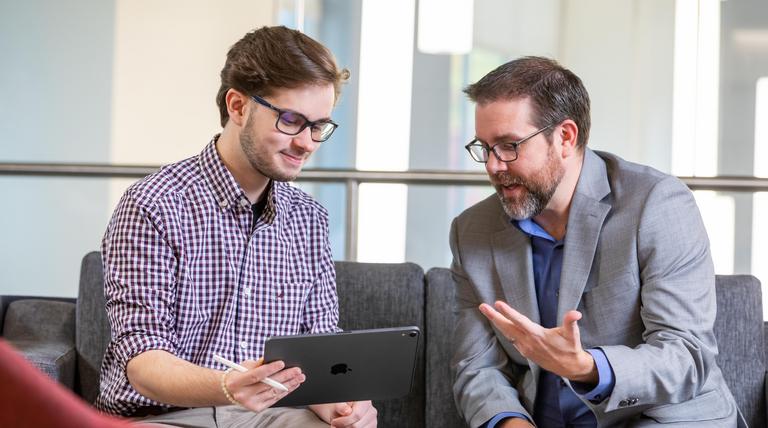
(483, 376)
(677, 305)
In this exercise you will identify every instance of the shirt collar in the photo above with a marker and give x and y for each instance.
(531, 228)
(225, 189)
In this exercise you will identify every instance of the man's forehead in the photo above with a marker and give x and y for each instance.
(309, 100)
(503, 119)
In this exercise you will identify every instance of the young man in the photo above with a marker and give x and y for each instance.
(585, 285)
(216, 253)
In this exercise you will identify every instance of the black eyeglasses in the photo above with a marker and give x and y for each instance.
(504, 151)
(292, 123)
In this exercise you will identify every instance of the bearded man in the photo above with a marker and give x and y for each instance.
(585, 287)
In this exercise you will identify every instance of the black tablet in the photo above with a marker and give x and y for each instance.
(352, 365)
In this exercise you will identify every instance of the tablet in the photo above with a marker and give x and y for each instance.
(352, 365)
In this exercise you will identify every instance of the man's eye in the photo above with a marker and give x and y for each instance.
(320, 127)
(291, 118)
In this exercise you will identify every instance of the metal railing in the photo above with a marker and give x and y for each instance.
(352, 180)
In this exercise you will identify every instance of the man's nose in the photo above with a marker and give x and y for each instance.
(494, 165)
(303, 141)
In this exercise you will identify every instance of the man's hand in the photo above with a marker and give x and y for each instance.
(248, 390)
(356, 414)
(515, 423)
(557, 350)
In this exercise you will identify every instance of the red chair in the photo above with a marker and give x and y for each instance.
(29, 398)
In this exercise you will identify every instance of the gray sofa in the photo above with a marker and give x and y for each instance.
(66, 338)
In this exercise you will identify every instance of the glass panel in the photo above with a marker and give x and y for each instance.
(333, 197)
(48, 225)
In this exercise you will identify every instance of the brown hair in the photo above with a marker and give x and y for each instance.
(555, 92)
(270, 58)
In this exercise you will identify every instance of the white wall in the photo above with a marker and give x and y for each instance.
(168, 56)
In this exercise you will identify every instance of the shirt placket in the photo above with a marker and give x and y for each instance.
(244, 314)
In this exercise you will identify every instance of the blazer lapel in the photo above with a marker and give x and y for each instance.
(512, 259)
(514, 265)
(585, 220)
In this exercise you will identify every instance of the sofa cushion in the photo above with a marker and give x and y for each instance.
(44, 332)
(92, 326)
(379, 295)
(739, 332)
(40, 319)
(441, 321)
(56, 359)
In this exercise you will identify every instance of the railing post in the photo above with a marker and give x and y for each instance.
(350, 246)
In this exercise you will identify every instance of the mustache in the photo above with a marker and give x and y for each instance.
(507, 179)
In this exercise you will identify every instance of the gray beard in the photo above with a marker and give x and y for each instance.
(531, 205)
(539, 191)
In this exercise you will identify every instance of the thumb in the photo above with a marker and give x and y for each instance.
(343, 409)
(571, 326)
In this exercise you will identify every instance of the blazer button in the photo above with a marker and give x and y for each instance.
(623, 403)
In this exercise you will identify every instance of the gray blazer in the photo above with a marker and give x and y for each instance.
(636, 264)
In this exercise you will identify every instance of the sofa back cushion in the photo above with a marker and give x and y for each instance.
(43, 331)
(380, 295)
(92, 326)
(740, 340)
(441, 321)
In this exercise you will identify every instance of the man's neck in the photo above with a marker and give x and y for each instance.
(554, 218)
(252, 181)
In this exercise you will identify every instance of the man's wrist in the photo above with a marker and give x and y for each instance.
(587, 372)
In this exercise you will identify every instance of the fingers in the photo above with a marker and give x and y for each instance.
(252, 364)
(342, 409)
(511, 323)
(259, 396)
(520, 320)
(495, 316)
(571, 326)
(361, 414)
(258, 371)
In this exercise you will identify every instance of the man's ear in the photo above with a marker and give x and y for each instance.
(569, 135)
(237, 103)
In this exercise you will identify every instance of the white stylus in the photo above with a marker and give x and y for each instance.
(233, 365)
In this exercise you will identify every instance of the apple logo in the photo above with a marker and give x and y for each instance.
(340, 368)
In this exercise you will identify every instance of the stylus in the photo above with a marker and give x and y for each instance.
(233, 365)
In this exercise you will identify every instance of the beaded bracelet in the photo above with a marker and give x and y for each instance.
(226, 391)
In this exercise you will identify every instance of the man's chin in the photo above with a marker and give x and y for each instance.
(277, 175)
(516, 209)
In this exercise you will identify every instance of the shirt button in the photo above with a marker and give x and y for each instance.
(243, 344)
(223, 205)
(247, 291)
(244, 203)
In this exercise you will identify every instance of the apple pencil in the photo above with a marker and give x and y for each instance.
(233, 365)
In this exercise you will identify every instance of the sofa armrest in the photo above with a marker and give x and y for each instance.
(766, 395)
(44, 332)
(56, 359)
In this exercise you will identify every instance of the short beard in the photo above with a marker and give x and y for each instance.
(259, 160)
(539, 189)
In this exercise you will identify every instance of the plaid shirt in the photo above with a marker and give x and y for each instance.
(186, 272)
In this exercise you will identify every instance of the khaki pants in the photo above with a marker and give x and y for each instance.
(234, 417)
